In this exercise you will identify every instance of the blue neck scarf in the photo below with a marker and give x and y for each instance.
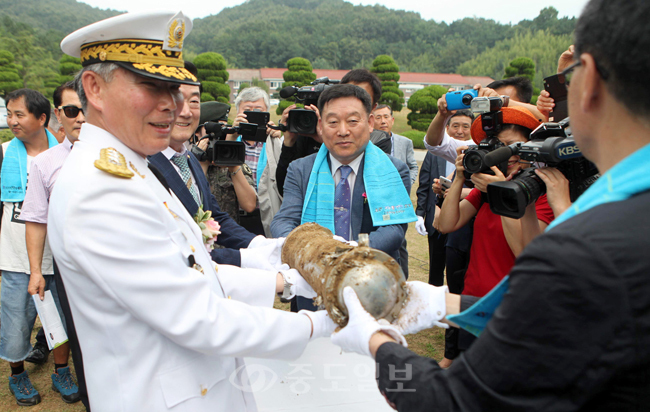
(388, 199)
(261, 164)
(627, 178)
(13, 175)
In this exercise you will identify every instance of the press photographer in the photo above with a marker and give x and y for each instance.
(496, 240)
(303, 121)
(262, 155)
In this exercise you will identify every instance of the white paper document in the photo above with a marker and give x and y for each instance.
(50, 319)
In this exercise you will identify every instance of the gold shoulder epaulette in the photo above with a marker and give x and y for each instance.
(113, 162)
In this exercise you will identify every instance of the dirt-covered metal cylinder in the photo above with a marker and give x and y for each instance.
(329, 266)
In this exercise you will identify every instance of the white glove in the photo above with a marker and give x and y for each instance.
(424, 308)
(420, 227)
(355, 336)
(321, 322)
(298, 285)
(262, 253)
(261, 241)
(342, 239)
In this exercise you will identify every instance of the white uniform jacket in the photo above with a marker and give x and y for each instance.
(155, 334)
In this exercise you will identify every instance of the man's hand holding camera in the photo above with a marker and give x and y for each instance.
(557, 189)
(290, 138)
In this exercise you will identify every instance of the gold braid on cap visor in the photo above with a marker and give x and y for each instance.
(147, 55)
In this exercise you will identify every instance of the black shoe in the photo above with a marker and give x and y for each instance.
(39, 354)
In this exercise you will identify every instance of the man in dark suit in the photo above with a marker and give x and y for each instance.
(186, 179)
(345, 127)
(432, 168)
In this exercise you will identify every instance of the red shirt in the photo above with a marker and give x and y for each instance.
(490, 257)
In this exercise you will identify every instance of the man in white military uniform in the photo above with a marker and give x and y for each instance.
(160, 325)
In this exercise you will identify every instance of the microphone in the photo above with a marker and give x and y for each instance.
(288, 91)
(499, 155)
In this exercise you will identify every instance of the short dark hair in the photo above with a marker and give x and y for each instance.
(58, 93)
(35, 102)
(617, 36)
(523, 85)
(364, 76)
(191, 67)
(464, 112)
(344, 90)
(384, 106)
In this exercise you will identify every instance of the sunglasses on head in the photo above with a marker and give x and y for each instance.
(71, 111)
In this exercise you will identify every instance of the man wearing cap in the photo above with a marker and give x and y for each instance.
(160, 325)
(186, 179)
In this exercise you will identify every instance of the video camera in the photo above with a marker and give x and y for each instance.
(474, 160)
(304, 121)
(552, 144)
(219, 151)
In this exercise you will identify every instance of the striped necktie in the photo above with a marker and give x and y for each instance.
(342, 204)
(181, 162)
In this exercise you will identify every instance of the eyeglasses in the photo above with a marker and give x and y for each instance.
(567, 73)
(71, 111)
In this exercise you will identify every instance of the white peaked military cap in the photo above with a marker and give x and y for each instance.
(147, 43)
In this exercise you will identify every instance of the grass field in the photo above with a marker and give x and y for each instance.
(428, 343)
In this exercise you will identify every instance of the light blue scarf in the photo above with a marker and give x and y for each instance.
(14, 169)
(261, 163)
(627, 178)
(388, 199)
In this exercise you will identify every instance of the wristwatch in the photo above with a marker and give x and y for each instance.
(506, 100)
(235, 172)
(286, 292)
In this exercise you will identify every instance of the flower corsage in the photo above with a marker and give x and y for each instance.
(209, 227)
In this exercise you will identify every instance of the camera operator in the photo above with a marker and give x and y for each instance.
(232, 186)
(262, 158)
(295, 146)
(496, 240)
(439, 143)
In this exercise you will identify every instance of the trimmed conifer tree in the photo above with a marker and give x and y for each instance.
(388, 72)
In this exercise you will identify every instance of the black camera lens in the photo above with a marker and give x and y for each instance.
(511, 198)
(467, 99)
(302, 121)
(305, 123)
(474, 161)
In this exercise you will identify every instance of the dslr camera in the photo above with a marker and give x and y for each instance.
(552, 144)
(476, 158)
(304, 121)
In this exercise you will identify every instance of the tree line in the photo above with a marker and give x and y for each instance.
(331, 34)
